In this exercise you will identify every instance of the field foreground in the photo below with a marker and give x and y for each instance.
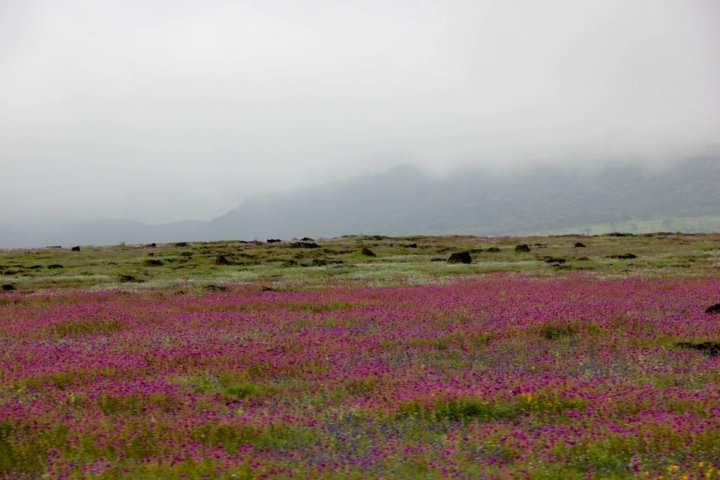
(501, 376)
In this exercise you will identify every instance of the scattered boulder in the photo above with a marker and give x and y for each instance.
(713, 309)
(181, 244)
(411, 245)
(493, 250)
(307, 239)
(129, 278)
(273, 240)
(152, 262)
(304, 244)
(8, 287)
(437, 259)
(522, 248)
(624, 256)
(222, 260)
(54, 266)
(367, 252)
(460, 257)
(554, 260)
(708, 348)
(583, 259)
(151, 245)
(75, 248)
(580, 245)
(36, 267)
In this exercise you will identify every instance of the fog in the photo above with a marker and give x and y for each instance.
(172, 110)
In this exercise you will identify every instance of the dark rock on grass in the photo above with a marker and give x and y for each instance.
(620, 234)
(307, 239)
(265, 288)
(11, 272)
(522, 248)
(273, 240)
(708, 348)
(216, 288)
(36, 267)
(367, 252)
(411, 245)
(713, 309)
(580, 245)
(583, 259)
(222, 260)
(129, 279)
(8, 287)
(304, 244)
(460, 257)
(54, 266)
(437, 259)
(151, 245)
(493, 250)
(152, 262)
(624, 256)
(554, 260)
(75, 249)
(181, 244)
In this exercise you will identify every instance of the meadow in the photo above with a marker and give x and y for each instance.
(363, 357)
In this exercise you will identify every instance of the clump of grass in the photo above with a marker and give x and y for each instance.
(557, 329)
(362, 386)
(233, 436)
(76, 328)
(466, 409)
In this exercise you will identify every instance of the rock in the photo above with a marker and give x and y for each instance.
(216, 288)
(181, 244)
(554, 260)
(411, 245)
(273, 240)
(367, 252)
(54, 246)
(437, 259)
(624, 256)
(36, 267)
(8, 287)
(304, 244)
(580, 245)
(222, 260)
(267, 289)
(307, 239)
(152, 262)
(129, 278)
(460, 257)
(54, 266)
(713, 309)
(151, 245)
(493, 250)
(708, 348)
(75, 249)
(522, 248)
(583, 259)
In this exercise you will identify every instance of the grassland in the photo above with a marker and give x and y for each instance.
(397, 260)
(314, 359)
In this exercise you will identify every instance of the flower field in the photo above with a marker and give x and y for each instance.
(499, 376)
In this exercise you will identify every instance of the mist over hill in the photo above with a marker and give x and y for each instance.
(405, 201)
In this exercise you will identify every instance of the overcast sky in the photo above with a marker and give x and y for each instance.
(161, 110)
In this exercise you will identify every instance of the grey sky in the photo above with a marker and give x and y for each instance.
(165, 109)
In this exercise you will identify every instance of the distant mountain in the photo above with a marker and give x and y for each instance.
(405, 201)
